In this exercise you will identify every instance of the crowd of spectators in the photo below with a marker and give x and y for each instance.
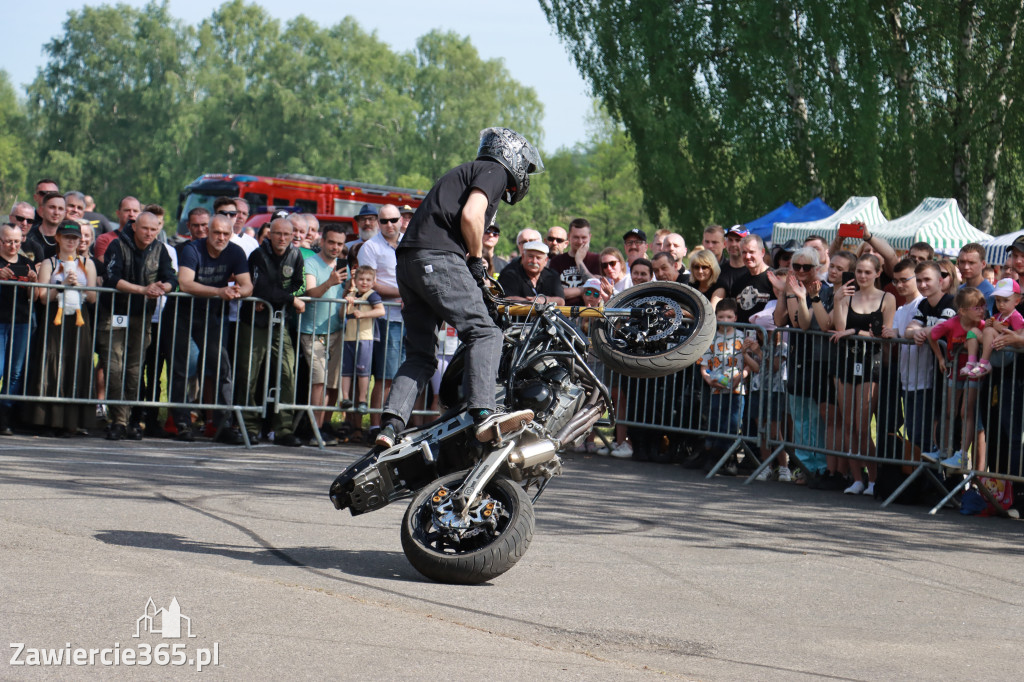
(835, 351)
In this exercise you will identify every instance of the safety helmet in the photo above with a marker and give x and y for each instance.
(519, 157)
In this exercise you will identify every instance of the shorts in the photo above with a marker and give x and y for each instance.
(857, 364)
(356, 358)
(323, 353)
(389, 351)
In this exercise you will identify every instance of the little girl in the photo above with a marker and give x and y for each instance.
(1007, 296)
(956, 331)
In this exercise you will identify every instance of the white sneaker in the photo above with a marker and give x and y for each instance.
(623, 450)
(785, 475)
(870, 490)
(765, 475)
(857, 488)
(954, 462)
(932, 456)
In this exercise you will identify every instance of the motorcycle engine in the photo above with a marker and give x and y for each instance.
(547, 388)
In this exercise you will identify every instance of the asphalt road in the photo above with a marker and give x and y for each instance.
(637, 571)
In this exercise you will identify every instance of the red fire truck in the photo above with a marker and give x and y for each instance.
(307, 193)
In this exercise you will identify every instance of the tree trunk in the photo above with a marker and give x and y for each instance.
(1002, 105)
(906, 103)
(787, 19)
(962, 113)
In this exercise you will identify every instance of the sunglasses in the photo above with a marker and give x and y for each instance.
(22, 219)
(634, 242)
(802, 267)
(230, 214)
(944, 274)
(700, 267)
(904, 280)
(557, 240)
(493, 233)
(591, 292)
(609, 263)
(385, 221)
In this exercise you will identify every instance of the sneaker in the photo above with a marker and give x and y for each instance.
(765, 475)
(346, 404)
(857, 488)
(254, 437)
(116, 432)
(185, 433)
(955, 462)
(623, 450)
(932, 456)
(785, 475)
(134, 432)
(229, 436)
(968, 367)
(497, 425)
(870, 490)
(101, 412)
(362, 408)
(386, 437)
(288, 440)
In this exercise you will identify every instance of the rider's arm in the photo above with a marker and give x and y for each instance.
(474, 213)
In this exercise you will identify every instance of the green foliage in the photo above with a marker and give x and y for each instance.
(13, 150)
(737, 107)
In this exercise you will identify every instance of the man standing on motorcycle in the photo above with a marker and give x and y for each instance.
(440, 269)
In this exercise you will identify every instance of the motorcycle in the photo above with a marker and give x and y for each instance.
(471, 517)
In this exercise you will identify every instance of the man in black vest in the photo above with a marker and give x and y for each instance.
(277, 277)
(140, 270)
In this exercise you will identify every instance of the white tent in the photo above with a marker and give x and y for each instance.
(935, 221)
(995, 249)
(855, 210)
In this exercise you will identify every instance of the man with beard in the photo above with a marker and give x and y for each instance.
(750, 286)
(41, 242)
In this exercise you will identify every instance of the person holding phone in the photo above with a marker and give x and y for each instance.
(320, 326)
(864, 311)
(14, 317)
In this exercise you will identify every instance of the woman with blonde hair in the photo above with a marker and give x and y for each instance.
(613, 271)
(704, 271)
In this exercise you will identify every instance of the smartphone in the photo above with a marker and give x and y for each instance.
(847, 278)
(848, 230)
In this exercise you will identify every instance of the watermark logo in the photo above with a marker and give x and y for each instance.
(164, 622)
(168, 623)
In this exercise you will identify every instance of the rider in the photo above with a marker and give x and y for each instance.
(440, 266)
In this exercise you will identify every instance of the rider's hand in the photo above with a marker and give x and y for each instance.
(478, 268)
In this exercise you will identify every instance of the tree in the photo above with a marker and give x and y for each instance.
(13, 147)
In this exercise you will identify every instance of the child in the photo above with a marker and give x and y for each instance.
(724, 367)
(362, 304)
(1007, 296)
(971, 311)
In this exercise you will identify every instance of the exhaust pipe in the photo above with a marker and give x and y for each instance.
(532, 454)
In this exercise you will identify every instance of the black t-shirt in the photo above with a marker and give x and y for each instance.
(38, 246)
(727, 269)
(14, 300)
(515, 282)
(210, 271)
(564, 265)
(929, 315)
(752, 292)
(437, 223)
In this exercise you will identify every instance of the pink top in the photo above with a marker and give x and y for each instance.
(1015, 321)
(952, 330)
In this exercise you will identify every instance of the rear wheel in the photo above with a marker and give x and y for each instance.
(672, 327)
(472, 548)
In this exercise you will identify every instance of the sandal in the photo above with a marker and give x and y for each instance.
(968, 368)
(980, 369)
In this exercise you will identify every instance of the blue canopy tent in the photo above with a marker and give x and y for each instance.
(762, 226)
(816, 209)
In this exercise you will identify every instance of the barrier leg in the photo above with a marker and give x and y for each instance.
(766, 463)
(958, 488)
(737, 444)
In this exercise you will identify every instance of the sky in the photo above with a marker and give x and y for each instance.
(515, 31)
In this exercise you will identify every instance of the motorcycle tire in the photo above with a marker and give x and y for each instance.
(672, 355)
(484, 556)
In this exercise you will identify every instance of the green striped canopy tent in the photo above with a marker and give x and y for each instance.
(855, 210)
(935, 221)
(995, 249)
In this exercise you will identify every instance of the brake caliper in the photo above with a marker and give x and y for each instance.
(481, 516)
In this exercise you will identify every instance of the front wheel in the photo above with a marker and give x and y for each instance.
(670, 327)
(469, 548)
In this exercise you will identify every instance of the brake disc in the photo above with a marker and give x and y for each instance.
(480, 516)
(664, 321)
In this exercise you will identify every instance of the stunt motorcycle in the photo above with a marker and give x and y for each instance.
(471, 517)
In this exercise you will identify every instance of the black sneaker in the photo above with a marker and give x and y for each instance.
(229, 436)
(116, 432)
(386, 437)
(134, 432)
(288, 440)
(346, 404)
(185, 433)
(496, 425)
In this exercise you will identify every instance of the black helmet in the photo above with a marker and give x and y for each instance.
(519, 157)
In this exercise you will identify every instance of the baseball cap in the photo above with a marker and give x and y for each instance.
(70, 227)
(366, 210)
(1006, 288)
(406, 209)
(1018, 244)
(737, 231)
(592, 283)
(493, 227)
(536, 246)
(635, 232)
